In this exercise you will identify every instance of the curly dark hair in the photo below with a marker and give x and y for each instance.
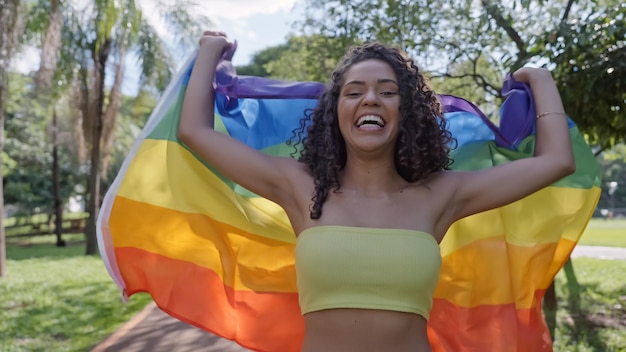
(423, 143)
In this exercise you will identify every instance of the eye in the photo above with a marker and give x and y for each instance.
(389, 93)
(352, 94)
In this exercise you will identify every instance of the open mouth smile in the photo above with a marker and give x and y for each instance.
(370, 122)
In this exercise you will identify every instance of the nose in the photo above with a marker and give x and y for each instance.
(370, 97)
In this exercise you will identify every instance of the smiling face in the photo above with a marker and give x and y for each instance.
(368, 107)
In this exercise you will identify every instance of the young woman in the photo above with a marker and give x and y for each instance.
(370, 197)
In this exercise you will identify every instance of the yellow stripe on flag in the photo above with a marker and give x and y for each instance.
(522, 267)
(243, 261)
(165, 174)
(543, 217)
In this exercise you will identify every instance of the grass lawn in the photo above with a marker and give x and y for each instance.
(593, 316)
(58, 299)
(599, 232)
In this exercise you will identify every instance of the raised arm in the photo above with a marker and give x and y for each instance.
(553, 160)
(265, 175)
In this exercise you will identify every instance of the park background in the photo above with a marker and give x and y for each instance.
(79, 79)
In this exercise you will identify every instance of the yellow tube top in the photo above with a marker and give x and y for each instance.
(368, 268)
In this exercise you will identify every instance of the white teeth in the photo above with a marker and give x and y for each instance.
(370, 119)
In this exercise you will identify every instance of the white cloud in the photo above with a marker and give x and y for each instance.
(255, 24)
(229, 9)
(240, 9)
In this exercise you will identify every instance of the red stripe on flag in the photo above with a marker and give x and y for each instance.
(500, 327)
(183, 287)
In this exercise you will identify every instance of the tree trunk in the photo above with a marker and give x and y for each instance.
(97, 112)
(93, 198)
(56, 187)
(44, 92)
(573, 288)
(10, 29)
(550, 305)
(3, 95)
(110, 114)
(49, 49)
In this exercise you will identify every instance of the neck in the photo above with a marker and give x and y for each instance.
(371, 176)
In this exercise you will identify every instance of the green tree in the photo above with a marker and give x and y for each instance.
(113, 30)
(613, 164)
(45, 27)
(481, 41)
(459, 84)
(307, 58)
(301, 58)
(28, 185)
(590, 58)
(11, 20)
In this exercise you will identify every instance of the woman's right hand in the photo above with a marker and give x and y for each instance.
(217, 41)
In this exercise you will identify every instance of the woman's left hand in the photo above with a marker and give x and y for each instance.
(530, 75)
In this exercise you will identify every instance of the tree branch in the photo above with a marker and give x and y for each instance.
(568, 8)
(494, 12)
(479, 79)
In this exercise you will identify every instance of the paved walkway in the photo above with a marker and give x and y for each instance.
(154, 331)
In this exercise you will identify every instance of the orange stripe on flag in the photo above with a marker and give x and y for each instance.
(181, 289)
(242, 260)
(501, 327)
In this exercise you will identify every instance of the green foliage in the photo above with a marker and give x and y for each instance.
(27, 184)
(36, 21)
(28, 178)
(8, 164)
(477, 42)
(590, 58)
(461, 82)
(597, 324)
(96, 38)
(157, 57)
(257, 67)
(57, 299)
(302, 58)
(613, 164)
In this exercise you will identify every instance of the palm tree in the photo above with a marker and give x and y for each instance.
(116, 29)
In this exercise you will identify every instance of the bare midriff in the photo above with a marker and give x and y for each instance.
(341, 330)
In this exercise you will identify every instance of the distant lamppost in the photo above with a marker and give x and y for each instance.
(612, 188)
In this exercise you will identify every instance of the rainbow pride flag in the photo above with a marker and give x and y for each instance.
(219, 257)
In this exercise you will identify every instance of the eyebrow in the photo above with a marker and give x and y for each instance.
(384, 80)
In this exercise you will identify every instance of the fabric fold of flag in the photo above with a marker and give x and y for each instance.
(219, 257)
